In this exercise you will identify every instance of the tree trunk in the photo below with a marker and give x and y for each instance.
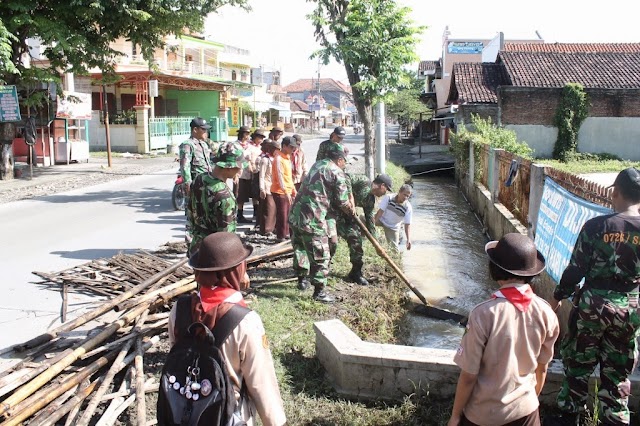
(7, 133)
(369, 140)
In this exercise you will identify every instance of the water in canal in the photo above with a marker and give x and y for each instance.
(447, 262)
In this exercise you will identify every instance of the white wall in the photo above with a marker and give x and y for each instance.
(613, 135)
(122, 136)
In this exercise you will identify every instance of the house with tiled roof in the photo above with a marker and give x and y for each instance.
(337, 95)
(531, 79)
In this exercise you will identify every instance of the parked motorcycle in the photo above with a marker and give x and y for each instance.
(178, 195)
(357, 129)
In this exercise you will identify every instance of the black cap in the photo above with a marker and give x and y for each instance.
(289, 141)
(200, 122)
(628, 180)
(339, 131)
(384, 179)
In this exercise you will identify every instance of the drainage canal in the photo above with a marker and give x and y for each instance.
(446, 263)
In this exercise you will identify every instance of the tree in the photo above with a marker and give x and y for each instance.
(77, 37)
(373, 39)
(572, 110)
(405, 104)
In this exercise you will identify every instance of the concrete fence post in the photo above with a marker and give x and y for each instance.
(536, 187)
(494, 173)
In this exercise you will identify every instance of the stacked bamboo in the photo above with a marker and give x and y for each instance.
(70, 374)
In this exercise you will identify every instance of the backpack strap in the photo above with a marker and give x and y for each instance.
(228, 323)
(183, 315)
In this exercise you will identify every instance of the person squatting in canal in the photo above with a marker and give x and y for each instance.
(507, 344)
(604, 323)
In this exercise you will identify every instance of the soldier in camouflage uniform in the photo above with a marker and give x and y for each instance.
(323, 191)
(195, 158)
(605, 322)
(213, 206)
(362, 194)
(334, 138)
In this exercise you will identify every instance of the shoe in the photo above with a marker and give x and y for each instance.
(323, 297)
(242, 219)
(357, 278)
(303, 283)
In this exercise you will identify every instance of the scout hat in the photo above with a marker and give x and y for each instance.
(289, 141)
(298, 138)
(244, 129)
(516, 254)
(231, 155)
(259, 132)
(628, 180)
(200, 122)
(218, 251)
(385, 180)
(277, 130)
(271, 143)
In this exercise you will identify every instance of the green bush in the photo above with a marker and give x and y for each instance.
(572, 111)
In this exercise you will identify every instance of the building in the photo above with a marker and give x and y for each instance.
(521, 91)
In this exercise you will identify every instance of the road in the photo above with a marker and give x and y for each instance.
(57, 232)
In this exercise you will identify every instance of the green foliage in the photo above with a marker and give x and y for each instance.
(77, 35)
(405, 105)
(374, 39)
(572, 111)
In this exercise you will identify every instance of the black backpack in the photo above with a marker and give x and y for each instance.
(195, 388)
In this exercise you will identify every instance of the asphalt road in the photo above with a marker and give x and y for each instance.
(57, 232)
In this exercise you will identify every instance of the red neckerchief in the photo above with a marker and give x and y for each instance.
(520, 295)
(212, 297)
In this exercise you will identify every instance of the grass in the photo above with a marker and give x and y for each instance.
(590, 163)
(375, 313)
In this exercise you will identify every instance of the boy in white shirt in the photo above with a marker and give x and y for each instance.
(393, 211)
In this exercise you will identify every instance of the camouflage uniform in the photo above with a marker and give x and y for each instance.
(323, 149)
(213, 206)
(195, 158)
(324, 190)
(607, 255)
(346, 227)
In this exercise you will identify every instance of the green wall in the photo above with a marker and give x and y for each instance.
(196, 103)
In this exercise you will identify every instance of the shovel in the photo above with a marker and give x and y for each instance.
(426, 308)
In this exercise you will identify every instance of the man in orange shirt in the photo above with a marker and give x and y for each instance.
(282, 188)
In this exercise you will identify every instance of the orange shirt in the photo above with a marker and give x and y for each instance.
(281, 175)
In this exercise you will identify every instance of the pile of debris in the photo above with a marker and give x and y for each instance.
(66, 375)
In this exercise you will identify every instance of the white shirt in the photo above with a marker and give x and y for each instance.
(395, 213)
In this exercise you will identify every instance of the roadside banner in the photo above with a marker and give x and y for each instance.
(560, 219)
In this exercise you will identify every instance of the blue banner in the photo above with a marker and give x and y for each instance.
(560, 219)
(465, 47)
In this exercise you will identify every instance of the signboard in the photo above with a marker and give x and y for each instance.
(560, 219)
(9, 107)
(314, 107)
(465, 47)
(235, 113)
(74, 105)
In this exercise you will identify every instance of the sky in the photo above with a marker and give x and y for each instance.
(279, 36)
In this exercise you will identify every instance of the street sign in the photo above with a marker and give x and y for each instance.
(314, 107)
(9, 107)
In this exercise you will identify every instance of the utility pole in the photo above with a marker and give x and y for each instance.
(105, 110)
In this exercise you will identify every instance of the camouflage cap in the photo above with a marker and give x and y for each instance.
(231, 155)
(336, 151)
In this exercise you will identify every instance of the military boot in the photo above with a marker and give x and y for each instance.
(356, 275)
(319, 295)
(303, 283)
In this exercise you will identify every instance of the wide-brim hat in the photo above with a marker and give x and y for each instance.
(231, 155)
(219, 251)
(259, 132)
(516, 254)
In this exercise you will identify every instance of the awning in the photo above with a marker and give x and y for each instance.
(283, 111)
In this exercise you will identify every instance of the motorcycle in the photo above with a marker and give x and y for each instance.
(357, 129)
(178, 195)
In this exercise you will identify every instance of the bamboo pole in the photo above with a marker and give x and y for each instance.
(281, 251)
(71, 405)
(153, 294)
(53, 407)
(83, 319)
(141, 413)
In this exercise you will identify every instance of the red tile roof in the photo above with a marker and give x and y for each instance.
(476, 83)
(573, 47)
(311, 84)
(299, 106)
(605, 69)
